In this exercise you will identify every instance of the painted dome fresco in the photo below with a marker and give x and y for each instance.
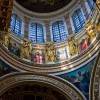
(43, 6)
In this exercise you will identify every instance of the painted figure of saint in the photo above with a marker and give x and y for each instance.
(84, 44)
(61, 54)
(38, 58)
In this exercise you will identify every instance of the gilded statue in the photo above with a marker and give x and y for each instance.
(26, 49)
(50, 52)
(6, 39)
(90, 31)
(72, 44)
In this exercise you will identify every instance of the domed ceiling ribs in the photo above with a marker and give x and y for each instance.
(43, 6)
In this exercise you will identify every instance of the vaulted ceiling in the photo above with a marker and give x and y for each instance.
(43, 6)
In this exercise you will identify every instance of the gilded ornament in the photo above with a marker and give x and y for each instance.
(73, 48)
(26, 49)
(50, 52)
(90, 31)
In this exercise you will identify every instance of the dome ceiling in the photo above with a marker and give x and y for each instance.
(43, 6)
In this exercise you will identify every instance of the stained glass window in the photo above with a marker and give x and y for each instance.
(78, 20)
(16, 24)
(59, 31)
(36, 34)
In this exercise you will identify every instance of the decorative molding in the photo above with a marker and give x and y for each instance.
(70, 64)
(95, 80)
(46, 16)
(65, 87)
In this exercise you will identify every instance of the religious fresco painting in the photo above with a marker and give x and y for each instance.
(81, 77)
(61, 54)
(37, 57)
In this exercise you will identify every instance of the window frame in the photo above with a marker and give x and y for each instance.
(61, 33)
(36, 25)
(80, 18)
(16, 25)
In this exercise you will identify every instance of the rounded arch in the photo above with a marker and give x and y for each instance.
(67, 89)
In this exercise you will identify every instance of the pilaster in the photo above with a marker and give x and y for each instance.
(48, 33)
(26, 27)
(68, 23)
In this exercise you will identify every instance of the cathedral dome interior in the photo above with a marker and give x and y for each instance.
(43, 6)
(49, 49)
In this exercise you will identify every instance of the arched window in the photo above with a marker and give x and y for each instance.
(59, 31)
(91, 4)
(78, 20)
(16, 24)
(36, 33)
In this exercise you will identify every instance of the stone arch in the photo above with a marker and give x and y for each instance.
(67, 89)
